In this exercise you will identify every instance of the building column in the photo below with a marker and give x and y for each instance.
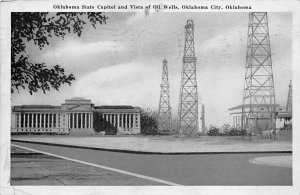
(81, 120)
(87, 120)
(130, 120)
(56, 116)
(110, 118)
(85, 117)
(73, 120)
(134, 120)
(53, 119)
(92, 120)
(139, 120)
(28, 122)
(123, 120)
(48, 118)
(126, 115)
(40, 120)
(19, 117)
(114, 117)
(53, 115)
(77, 121)
(69, 120)
(44, 119)
(118, 121)
(234, 121)
(36, 120)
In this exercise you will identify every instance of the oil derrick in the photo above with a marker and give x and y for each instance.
(289, 105)
(258, 96)
(164, 112)
(188, 98)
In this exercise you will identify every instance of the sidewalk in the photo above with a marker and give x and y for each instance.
(165, 144)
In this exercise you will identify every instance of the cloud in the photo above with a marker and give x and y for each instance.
(131, 83)
(77, 49)
(135, 17)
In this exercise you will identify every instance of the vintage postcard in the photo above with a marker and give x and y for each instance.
(172, 97)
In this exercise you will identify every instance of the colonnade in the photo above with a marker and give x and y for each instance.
(125, 121)
(38, 120)
(237, 120)
(80, 120)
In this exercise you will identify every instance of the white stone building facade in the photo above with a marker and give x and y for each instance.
(76, 115)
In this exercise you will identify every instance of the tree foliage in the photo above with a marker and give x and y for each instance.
(38, 27)
(149, 122)
(100, 124)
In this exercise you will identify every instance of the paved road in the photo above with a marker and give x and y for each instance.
(33, 168)
(203, 169)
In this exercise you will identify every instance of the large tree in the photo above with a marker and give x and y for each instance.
(149, 122)
(38, 27)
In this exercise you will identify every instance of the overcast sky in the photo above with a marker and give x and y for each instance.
(121, 62)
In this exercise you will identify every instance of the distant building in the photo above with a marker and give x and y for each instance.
(282, 117)
(76, 115)
(285, 116)
(256, 123)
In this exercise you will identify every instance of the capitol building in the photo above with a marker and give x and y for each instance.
(75, 116)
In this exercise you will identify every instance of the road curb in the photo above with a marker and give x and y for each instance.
(147, 152)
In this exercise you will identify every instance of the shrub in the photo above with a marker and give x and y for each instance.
(235, 132)
(213, 131)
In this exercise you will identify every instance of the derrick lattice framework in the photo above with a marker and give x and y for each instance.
(188, 99)
(259, 96)
(289, 105)
(164, 112)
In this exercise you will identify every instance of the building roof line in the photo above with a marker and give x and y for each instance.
(254, 105)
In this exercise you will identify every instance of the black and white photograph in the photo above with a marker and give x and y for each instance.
(148, 95)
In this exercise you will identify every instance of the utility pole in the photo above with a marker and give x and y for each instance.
(164, 111)
(188, 99)
(259, 103)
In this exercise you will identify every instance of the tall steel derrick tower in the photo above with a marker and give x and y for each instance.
(289, 105)
(259, 95)
(164, 112)
(188, 99)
